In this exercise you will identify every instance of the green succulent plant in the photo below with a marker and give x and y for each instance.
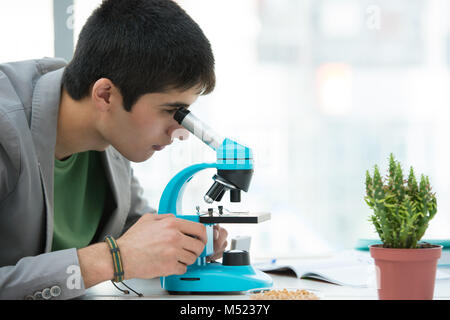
(402, 209)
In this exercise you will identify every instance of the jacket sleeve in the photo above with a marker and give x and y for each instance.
(139, 205)
(54, 275)
(30, 277)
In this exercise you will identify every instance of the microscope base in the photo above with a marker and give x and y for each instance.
(215, 277)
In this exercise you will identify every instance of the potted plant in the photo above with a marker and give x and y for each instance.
(402, 210)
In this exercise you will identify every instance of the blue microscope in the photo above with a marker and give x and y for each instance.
(234, 166)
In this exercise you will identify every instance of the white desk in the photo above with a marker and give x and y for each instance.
(151, 289)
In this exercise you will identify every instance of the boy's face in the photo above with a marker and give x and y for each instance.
(150, 125)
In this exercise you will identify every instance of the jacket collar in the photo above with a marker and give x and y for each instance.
(44, 120)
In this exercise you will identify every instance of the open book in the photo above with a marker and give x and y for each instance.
(347, 268)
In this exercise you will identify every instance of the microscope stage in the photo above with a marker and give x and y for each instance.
(236, 217)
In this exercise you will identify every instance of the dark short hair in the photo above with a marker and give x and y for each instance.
(142, 46)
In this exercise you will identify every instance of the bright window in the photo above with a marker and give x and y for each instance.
(26, 29)
(320, 90)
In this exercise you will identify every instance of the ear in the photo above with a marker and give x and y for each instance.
(102, 92)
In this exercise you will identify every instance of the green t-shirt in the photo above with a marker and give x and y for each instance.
(79, 191)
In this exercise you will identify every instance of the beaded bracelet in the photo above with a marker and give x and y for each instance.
(117, 260)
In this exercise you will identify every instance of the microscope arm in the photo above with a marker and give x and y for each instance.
(171, 199)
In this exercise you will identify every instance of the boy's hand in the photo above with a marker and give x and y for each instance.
(220, 242)
(159, 245)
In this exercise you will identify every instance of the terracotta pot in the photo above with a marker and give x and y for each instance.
(406, 274)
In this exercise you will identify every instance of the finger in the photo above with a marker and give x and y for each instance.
(194, 245)
(220, 237)
(180, 268)
(219, 243)
(186, 257)
(193, 229)
(216, 232)
(220, 247)
(161, 216)
(216, 256)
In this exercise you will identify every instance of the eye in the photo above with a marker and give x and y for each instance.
(170, 111)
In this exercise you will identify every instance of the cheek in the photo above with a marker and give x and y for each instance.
(146, 120)
(142, 124)
(150, 130)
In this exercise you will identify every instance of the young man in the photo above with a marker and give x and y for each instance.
(67, 134)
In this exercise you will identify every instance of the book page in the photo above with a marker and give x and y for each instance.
(349, 268)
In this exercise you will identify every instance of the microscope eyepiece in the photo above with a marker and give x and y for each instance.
(181, 114)
(198, 128)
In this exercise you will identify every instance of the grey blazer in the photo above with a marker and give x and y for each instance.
(29, 102)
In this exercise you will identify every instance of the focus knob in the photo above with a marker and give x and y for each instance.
(236, 258)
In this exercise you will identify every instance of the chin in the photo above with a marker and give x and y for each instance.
(138, 159)
(141, 157)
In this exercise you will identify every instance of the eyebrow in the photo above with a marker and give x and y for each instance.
(175, 105)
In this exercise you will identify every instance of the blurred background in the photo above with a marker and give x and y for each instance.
(321, 90)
